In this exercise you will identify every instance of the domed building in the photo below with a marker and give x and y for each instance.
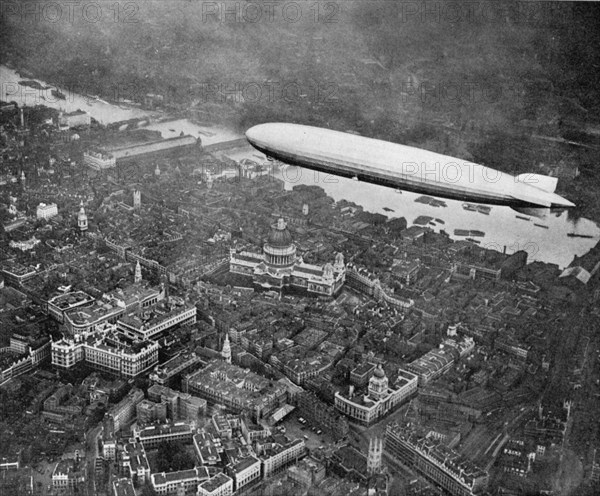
(278, 266)
(82, 220)
(279, 249)
(378, 384)
(381, 396)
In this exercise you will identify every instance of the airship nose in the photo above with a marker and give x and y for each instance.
(258, 135)
(251, 134)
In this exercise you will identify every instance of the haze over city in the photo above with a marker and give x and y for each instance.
(299, 248)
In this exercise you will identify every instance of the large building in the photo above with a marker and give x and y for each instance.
(60, 403)
(46, 211)
(166, 373)
(236, 388)
(219, 485)
(16, 275)
(153, 322)
(278, 455)
(123, 487)
(59, 305)
(36, 353)
(278, 267)
(98, 160)
(152, 435)
(438, 361)
(148, 412)
(180, 406)
(441, 465)
(134, 462)
(308, 472)
(67, 475)
(180, 482)
(83, 316)
(161, 146)
(123, 412)
(381, 398)
(359, 376)
(361, 279)
(106, 349)
(244, 471)
(300, 370)
(75, 119)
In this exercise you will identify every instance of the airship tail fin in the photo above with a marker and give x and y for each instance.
(547, 183)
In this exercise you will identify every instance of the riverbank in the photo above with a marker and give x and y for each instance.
(504, 231)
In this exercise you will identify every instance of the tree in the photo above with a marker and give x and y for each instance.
(173, 457)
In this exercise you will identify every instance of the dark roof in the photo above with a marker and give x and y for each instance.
(279, 237)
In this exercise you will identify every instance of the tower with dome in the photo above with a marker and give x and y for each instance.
(279, 267)
(82, 220)
(382, 395)
(378, 384)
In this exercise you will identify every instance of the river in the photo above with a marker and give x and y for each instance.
(102, 111)
(504, 231)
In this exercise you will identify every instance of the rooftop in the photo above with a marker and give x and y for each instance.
(216, 482)
(69, 300)
(404, 378)
(352, 459)
(153, 317)
(251, 390)
(243, 464)
(363, 369)
(182, 475)
(136, 455)
(459, 467)
(164, 429)
(123, 487)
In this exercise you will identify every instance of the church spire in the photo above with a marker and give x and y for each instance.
(137, 278)
(226, 351)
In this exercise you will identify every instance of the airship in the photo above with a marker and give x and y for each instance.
(402, 167)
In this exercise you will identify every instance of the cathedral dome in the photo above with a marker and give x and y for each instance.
(379, 373)
(279, 237)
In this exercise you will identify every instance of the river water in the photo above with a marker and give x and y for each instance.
(504, 231)
(103, 112)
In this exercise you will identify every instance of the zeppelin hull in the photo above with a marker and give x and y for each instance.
(395, 166)
(382, 179)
